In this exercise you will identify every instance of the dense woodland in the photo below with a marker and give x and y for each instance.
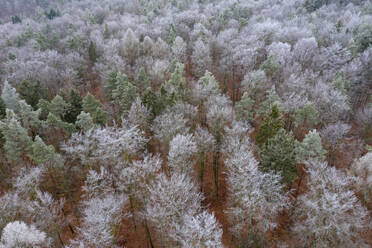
(185, 123)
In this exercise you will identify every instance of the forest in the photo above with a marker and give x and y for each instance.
(185, 123)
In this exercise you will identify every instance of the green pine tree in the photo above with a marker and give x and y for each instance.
(271, 99)
(278, 155)
(310, 148)
(244, 108)
(40, 152)
(149, 99)
(125, 93)
(10, 97)
(142, 81)
(269, 126)
(106, 33)
(16, 19)
(84, 121)
(94, 107)
(177, 83)
(92, 52)
(59, 107)
(341, 83)
(2, 109)
(56, 122)
(32, 93)
(75, 102)
(165, 99)
(270, 67)
(52, 14)
(172, 34)
(111, 85)
(43, 105)
(306, 116)
(17, 142)
(29, 117)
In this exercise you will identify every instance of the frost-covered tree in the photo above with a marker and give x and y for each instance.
(50, 67)
(219, 114)
(304, 51)
(181, 152)
(98, 183)
(160, 49)
(329, 214)
(236, 137)
(313, 58)
(332, 136)
(201, 230)
(256, 197)
(47, 215)
(130, 46)
(189, 111)
(139, 115)
(138, 176)
(147, 46)
(256, 84)
(135, 180)
(179, 48)
(170, 200)
(331, 104)
(200, 58)
(28, 180)
(363, 37)
(107, 145)
(159, 71)
(205, 142)
(362, 169)
(19, 234)
(167, 125)
(206, 86)
(101, 217)
(364, 116)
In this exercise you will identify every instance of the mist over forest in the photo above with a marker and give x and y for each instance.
(185, 123)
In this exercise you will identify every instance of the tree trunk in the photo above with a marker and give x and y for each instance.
(148, 234)
(132, 211)
(215, 170)
(202, 165)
